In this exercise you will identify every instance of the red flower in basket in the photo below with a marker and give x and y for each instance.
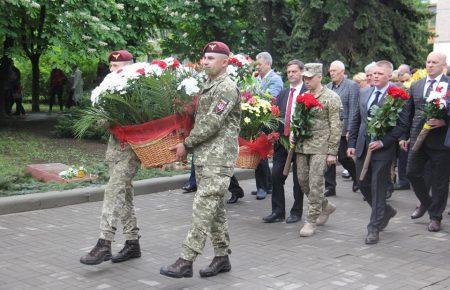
(141, 71)
(160, 63)
(309, 101)
(397, 93)
(176, 63)
(275, 111)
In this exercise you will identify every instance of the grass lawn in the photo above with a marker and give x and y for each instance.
(18, 148)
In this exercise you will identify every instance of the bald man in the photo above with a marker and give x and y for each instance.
(433, 149)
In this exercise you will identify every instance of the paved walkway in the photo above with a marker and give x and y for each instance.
(41, 249)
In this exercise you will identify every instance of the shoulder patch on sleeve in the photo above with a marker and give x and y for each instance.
(221, 105)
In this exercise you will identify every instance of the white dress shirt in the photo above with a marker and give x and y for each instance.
(427, 83)
(373, 96)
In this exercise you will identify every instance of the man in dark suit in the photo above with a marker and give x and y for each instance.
(374, 185)
(348, 91)
(433, 149)
(286, 102)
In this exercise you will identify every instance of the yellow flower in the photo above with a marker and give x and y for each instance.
(80, 174)
(247, 120)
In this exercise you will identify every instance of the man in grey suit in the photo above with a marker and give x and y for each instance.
(348, 91)
(374, 185)
(433, 149)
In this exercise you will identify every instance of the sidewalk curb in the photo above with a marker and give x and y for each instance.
(51, 199)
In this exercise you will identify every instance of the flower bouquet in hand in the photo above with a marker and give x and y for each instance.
(435, 108)
(383, 119)
(258, 115)
(305, 109)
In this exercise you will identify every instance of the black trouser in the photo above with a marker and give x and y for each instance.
(263, 177)
(278, 198)
(402, 161)
(374, 187)
(56, 92)
(439, 162)
(347, 163)
(19, 107)
(234, 186)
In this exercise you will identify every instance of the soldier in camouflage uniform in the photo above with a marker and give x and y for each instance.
(214, 142)
(118, 197)
(315, 153)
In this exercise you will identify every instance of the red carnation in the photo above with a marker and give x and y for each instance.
(275, 111)
(141, 71)
(176, 63)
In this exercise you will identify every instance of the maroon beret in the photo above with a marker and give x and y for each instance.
(217, 47)
(120, 55)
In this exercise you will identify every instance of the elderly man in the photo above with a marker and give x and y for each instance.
(348, 91)
(374, 185)
(119, 192)
(369, 73)
(214, 142)
(271, 83)
(433, 149)
(316, 153)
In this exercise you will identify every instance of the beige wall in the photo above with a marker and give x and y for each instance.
(442, 40)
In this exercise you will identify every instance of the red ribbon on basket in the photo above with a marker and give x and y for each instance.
(261, 145)
(153, 130)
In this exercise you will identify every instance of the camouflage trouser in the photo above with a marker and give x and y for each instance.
(208, 213)
(118, 199)
(310, 171)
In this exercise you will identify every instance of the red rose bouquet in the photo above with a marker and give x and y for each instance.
(383, 119)
(306, 107)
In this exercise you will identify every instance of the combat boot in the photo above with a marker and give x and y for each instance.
(218, 265)
(308, 229)
(100, 253)
(325, 214)
(180, 269)
(130, 250)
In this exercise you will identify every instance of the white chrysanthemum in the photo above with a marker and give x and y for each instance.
(232, 70)
(190, 86)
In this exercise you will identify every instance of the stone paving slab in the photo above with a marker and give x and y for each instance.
(41, 249)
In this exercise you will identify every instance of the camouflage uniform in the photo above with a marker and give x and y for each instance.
(312, 153)
(118, 198)
(214, 141)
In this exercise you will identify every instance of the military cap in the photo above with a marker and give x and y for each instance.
(120, 55)
(217, 47)
(312, 69)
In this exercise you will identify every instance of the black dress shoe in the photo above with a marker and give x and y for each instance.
(329, 192)
(273, 218)
(372, 238)
(389, 213)
(401, 187)
(218, 265)
(418, 212)
(355, 186)
(293, 218)
(235, 196)
(389, 193)
(189, 188)
(131, 250)
(180, 269)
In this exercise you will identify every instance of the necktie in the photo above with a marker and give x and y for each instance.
(287, 117)
(429, 89)
(375, 102)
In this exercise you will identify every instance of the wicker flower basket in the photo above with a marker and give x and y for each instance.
(247, 158)
(155, 153)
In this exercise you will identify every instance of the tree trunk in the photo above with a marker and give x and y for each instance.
(35, 82)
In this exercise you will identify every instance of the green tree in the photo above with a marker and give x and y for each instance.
(358, 32)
